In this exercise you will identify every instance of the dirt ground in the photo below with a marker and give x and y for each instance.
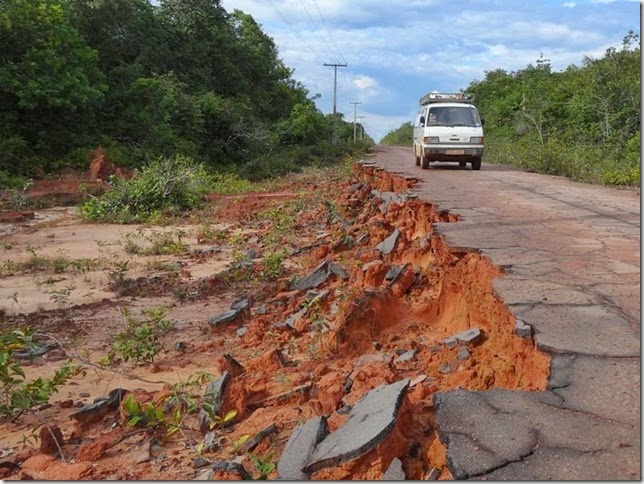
(71, 281)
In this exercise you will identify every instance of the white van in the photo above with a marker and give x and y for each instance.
(448, 128)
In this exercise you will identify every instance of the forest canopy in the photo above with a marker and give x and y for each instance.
(177, 77)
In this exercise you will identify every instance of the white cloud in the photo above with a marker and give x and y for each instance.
(570, 4)
(365, 82)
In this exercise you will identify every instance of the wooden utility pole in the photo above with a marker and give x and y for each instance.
(355, 112)
(335, 97)
(361, 127)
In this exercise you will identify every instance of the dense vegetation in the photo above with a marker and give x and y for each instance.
(582, 122)
(150, 79)
(401, 136)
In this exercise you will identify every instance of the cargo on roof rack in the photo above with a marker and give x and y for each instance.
(446, 97)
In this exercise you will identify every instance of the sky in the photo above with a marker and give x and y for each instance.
(398, 50)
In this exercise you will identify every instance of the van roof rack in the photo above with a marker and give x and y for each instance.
(442, 97)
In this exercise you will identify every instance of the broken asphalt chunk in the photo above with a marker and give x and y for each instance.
(406, 356)
(470, 336)
(241, 305)
(210, 442)
(338, 270)
(213, 400)
(393, 273)
(369, 422)
(463, 353)
(319, 275)
(223, 466)
(387, 246)
(227, 317)
(299, 448)
(394, 472)
(355, 187)
(91, 413)
(101, 406)
(522, 329)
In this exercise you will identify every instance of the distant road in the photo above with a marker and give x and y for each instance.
(572, 256)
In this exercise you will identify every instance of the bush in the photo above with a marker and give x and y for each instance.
(166, 186)
(18, 394)
(141, 341)
(12, 181)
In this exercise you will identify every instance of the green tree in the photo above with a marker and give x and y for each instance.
(49, 81)
(401, 136)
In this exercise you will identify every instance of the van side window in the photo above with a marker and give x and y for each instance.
(419, 124)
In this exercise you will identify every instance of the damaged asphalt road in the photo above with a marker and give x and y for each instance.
(571, 253)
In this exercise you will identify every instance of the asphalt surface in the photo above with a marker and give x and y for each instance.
(571, 252)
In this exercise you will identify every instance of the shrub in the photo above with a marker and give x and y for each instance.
(165, 186)
(18, 394)
(141, 340)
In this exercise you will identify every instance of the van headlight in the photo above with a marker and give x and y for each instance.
(430, 139)
(476, 140)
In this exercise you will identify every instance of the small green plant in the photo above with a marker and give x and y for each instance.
(206, 233)
(281, 222)
(171, 413)
(143, 414)
(157, 243)
(263, 465)
(15, 198)
(141, 340)
(18, 394)
(239, 442)
(61, 296)
(273, 265)
(8, 268)
(117, 274)
(215, 419)
(6, 245)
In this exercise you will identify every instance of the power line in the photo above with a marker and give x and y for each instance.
(339, 52)
(315, 28)
(294, 31)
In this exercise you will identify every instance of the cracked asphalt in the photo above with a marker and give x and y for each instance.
(571, 253)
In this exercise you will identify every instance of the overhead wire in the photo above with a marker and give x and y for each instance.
(343, 74)
(295, 31)
(316, 29)
(337, 53)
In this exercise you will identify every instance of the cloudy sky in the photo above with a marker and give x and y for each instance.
(398, 50)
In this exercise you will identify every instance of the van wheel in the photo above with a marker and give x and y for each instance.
(462, 164)
(425, 164)
(476, 164)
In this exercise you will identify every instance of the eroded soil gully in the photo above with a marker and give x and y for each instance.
(344, 343)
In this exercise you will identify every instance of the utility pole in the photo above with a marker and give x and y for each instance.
(335, 97)
(361, 127)
(355, 112)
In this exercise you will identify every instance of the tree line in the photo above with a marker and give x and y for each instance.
(146, 80)
(582, 122)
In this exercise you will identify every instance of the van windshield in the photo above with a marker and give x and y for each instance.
(453, 116)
